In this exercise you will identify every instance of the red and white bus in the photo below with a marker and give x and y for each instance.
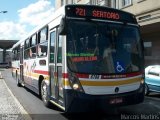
(83, 56)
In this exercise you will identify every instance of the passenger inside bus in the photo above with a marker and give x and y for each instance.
(132, 66)
(30, 53)
(108, 59)
(39, 51)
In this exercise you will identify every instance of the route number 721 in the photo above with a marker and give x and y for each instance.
(80, 12)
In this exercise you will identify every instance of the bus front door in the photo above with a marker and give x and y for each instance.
(56, 84)
(21, 65)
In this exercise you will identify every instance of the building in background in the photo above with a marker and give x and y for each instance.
(148, 16)
(1, 54)
(110, 3)
(5, 51)
(7, 57)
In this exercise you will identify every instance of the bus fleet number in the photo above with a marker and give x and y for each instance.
(94, 76)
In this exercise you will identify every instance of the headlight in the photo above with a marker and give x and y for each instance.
(74, 82)
(142, 81)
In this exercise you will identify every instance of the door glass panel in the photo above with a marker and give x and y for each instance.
(60, 81)
(52, 47)
(59, 67)
(52, 67)
(52, 81)
(59, 58)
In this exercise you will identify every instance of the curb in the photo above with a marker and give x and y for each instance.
(23, 112)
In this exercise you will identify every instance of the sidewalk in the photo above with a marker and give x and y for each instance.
(10, 108)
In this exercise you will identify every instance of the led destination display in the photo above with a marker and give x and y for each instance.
(92, 12)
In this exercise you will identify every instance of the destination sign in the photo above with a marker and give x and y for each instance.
(98, 12)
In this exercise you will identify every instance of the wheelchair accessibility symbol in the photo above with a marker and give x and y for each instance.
(119, 67)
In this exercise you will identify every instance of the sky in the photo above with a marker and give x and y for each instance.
(22, 16)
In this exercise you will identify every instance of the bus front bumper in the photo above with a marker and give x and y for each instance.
(81, 102)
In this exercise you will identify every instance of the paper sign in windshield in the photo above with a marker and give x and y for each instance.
(82, 59)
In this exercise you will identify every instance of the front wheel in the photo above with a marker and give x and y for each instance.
(44, 94)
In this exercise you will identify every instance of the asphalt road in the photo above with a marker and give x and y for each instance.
(148, 110)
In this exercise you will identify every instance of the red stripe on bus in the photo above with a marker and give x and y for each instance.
(65, 75)
(41, 72)
(112, 76)
(82, 75)
(134, 74)
(107, 76)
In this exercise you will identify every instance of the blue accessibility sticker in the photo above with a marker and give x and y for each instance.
(119, 67)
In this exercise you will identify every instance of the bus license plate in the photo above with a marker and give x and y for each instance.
(116, 100)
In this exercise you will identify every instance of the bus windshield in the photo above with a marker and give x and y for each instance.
(103, 47)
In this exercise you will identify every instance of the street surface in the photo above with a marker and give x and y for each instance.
(148, 110)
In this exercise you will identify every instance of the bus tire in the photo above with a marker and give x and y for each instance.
(44, 94)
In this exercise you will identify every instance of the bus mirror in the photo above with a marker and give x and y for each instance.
(62, 27)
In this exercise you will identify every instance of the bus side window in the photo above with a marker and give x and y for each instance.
(52, 47)
(30, 53)
(26, 51)
(39, 51)
(42, 49)
(33, 49)
(42, 42)
(33, 46)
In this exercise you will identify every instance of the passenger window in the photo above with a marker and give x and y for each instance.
(43, 35)
(34, 39)
(33, 46)
(42, 42)
(26, 51)
(27, 45)
(33, 50)
(42, 49)
(26, 54)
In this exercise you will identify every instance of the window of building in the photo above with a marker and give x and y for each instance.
(88, 3)
(78, 1)
(96, 2)
(148, 48)
(126, 3)
(103, 2)
(140, 1)
(62, 2)
(109, 3)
